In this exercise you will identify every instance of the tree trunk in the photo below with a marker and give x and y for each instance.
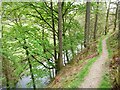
(63, 19)
(53, 27)
(72, 50)
(71, 44)
(115, 18)
(106, 26)
(96, 19)
(64, 59)
(54, 36)
(87, 25)
(65, 51)
(31, 72)
(50, 74)
(30, 65)
(44, 50)
(60, 62)
(67, 56)
(81, 47)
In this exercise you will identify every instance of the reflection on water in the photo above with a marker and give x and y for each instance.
(40, 82)
(23, 82)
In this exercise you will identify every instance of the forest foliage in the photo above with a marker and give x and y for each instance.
(40, 38)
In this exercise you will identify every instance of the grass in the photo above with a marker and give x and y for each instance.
(79, 78)
(105, 83)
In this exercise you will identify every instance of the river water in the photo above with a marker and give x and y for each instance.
(43, 82)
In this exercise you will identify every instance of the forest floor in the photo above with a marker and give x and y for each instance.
(94, 77)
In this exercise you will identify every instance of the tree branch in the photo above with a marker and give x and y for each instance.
(42, 63)
(41, 16)
(67, 9)
(50, 7)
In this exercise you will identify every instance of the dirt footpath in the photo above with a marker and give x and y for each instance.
(92, 80)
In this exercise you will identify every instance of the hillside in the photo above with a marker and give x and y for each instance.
(73, 75)
(60, 44)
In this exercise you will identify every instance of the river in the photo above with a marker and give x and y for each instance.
(43, 82)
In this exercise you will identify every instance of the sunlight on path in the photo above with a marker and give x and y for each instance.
(94, 76)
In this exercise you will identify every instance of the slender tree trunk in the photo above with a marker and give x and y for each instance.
(60, 61)
(72, 50)
(53, 27)
(106, 26)
(64, 59)
(64, 37)
(115, 18)
(96, 19)
(66, 52)
(54, 74)
(31, 72)
(71, 44)
(44, 50)
(87, 25)
(81, 47)
(54, 36)
(67, 56)
(50, 74)
(30, 65)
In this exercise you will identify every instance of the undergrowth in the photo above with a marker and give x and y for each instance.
(112, 43)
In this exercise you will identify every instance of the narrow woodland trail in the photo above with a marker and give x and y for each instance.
(92, 80)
